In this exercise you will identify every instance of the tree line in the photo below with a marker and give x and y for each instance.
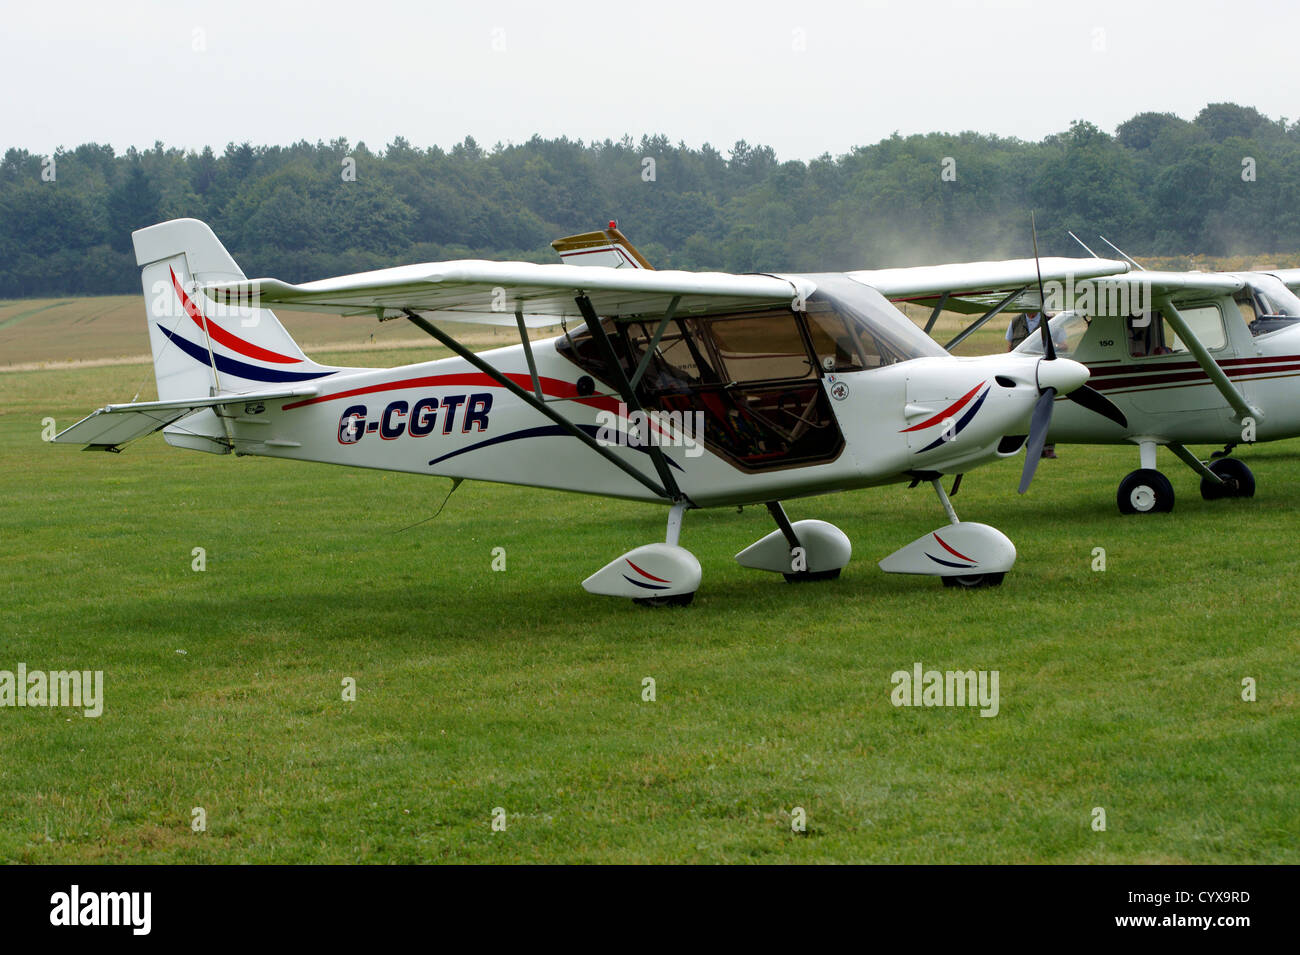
(1224, 183)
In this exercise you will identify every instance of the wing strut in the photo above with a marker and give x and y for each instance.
(934, 316)
(532, 402)
(1221, 381)
(979, 322)
(528, 350)
(625, 387)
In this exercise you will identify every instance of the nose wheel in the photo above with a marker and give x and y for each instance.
(1145, 491)
(972, 581)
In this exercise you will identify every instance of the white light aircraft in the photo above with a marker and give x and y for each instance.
(1188, 358)
(684, 389)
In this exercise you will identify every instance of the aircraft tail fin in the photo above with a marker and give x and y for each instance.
(608, 248)
(201, 348)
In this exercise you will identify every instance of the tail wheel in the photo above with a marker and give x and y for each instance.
(971, 581)
(1145, 491)
(1237, 480)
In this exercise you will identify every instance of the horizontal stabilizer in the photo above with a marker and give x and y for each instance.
(115, 425)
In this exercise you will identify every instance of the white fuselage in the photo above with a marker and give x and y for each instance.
(1170, 399)
(446, 418)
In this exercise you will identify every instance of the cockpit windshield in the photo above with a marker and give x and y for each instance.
(1267, 304)
(894, 335)
(1068, 329)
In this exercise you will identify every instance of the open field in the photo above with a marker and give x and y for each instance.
(479, 689)
(109, 329)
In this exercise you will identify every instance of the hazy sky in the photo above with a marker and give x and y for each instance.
(804, 77)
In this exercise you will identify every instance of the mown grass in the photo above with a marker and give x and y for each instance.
(479, 689)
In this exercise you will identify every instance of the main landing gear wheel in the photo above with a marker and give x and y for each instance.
(971, 581)
(1237, 480)
(1145, 491)
(812, 575)
(673, 600)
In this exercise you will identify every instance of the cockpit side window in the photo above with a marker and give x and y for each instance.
(680, 361)
(1205, 322)
(839, 346)
(767, 346)
(1244, 299)
(1145, 335)
(1151, 335)
(753, 376)
(1067, 328)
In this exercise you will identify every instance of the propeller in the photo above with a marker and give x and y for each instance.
(1049, 350)
(1038, 426)
(1042, 417)
(1083, 394)
(1092, 399)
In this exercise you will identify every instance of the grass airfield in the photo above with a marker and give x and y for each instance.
(479, 690)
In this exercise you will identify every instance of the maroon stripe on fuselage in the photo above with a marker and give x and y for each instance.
(1165, 366)
(1152, 374)
(1182, 381)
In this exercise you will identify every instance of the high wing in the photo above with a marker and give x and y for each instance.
(975, 286)
(981, 287)
(112, 426)
(493, 292)
(1176, 287)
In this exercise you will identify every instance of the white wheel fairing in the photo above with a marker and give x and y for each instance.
(652, 570)
(954, 549)
(826, 548)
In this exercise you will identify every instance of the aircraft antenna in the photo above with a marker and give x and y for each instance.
(1122, 253)
(1081, 242)
(455, 483)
